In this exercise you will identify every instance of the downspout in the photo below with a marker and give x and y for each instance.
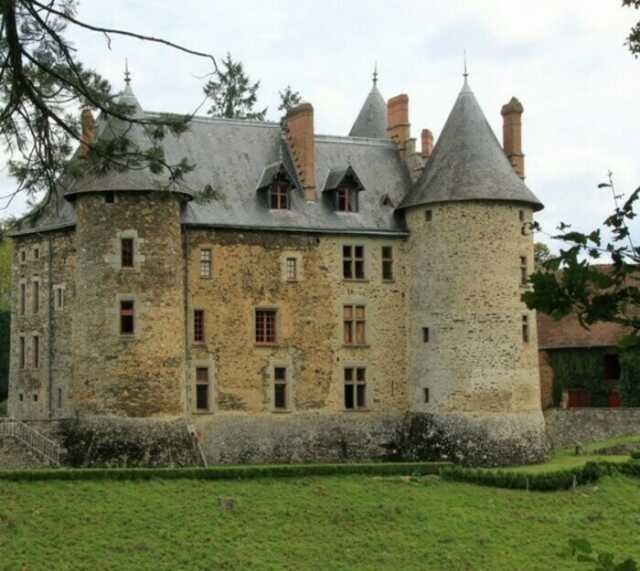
(187, 348)
(50, 333)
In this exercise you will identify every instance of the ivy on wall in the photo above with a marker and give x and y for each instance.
(630, 376)
(579, 369)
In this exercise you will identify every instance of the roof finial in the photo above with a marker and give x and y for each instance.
(127, 75)
(466, 72)
(375, 74)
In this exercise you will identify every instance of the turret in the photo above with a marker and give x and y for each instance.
(472, 346)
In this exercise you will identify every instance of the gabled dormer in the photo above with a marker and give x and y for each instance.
(275, 187)
(342, 189)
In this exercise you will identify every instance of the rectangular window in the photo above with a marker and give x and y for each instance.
(23, 257)
(354, 325)
(353, 262)
(36, 296)
(127, 317)
(127, 252)
(355, 386)
(198, 326)
(347, 200)
(59, 298)
(279, 195)
(425, 335)
(265, 326)
(428, 215)
(205, 263)
(35, 397)
(202, 388)
(36, 253)
(387, 263)
(36, 352)
(280, 388)
(59, 398)
(524, 271)
(22, 353)
(426, 395)
(23, 298)
(109, 197)
(525, 328)
(292, 269)
(521, 215)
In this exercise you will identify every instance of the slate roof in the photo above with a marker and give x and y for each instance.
(372, 119)
(468, 162)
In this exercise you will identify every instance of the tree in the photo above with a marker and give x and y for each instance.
(232, 94)
(42, 80)
(288, 99)
(633, 39)
(541, 254)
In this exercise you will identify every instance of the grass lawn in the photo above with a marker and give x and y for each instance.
(315, 523)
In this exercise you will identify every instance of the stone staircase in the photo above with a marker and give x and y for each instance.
(20, 444)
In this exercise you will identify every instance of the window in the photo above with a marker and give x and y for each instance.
(355, 386)
(347, 200)
(354, 325)
(265, 326)
(524, 271)
(35, 397)
(23, 298)
(23, 257)
(425, 335)
(36, 352)
(387, 263)
(353, 262)
(59, 398)
(280, 388)
(22, 353)
(428, 215)
(279, 195)
(198, 325)
(205, 263)
(36, 296)
(521, 215)
(202, 388)
(21, 397)
(127, 252)
(292, 269)
(59, 298)
(109, 197)
(426, 394)
(127, 317)
(36, 253)
(525, 328)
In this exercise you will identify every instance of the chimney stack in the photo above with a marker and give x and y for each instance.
(512, 134)
(88, 136)
(301, 140)
(398, 126)
(427, 143)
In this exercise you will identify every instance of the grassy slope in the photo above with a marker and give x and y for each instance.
(336, 523)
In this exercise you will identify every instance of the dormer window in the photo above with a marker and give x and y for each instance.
(342, 188)
(346, 199)
(279, 194)
(275, 187)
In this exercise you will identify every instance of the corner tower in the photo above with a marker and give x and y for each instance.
(472, 344)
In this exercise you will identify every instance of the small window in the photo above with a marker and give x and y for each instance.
(292, 269)
(36, 253)
(524, 271)
(23, 298)
(202, 388)
(280, 388)
(355, 387)
(21, 397)
(36, 296)
(35, 397)
(59, 298)
(109, 197)
(354, 325)
(521, 215)
(428, 215)
(22, 353)
(387, 263)
(525, 328)
(346, 200)
(59, 398)
(425, 335)
(127, 252)
(426, 394)
(23, 257)
(127, 317)
(279, 195)
(265, 326)
(353, 262)
(36, 352)
(205, 263)
(198, 326)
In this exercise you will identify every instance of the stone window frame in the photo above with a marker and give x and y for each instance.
(36, 295)
(22, 351)
(137, 316)
(193, 326)
(389, 260)
(22, 297)
(211, 394)
(286, 255)
(353, 259)
(114, 259)
(277, 325)
(279, 363)
(526, 330)
(354, 301)
(36, 250)
(524, 271)
(22, 256)
(36, 351)
(202, 260)
(368, 398)
(59, 297)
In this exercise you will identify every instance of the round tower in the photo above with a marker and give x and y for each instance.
(472, 343)
(128, 341)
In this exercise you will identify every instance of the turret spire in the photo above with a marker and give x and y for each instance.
(466, 72)
(375, 74)
(127, 75)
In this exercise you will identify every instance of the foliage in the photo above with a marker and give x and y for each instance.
(603, 561)
(288, 99)
(579, 369)
(630, 376)
(633, 40)
(42, 79)
(232, 94)
(541, 254)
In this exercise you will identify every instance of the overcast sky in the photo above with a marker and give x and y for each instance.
(565, 60)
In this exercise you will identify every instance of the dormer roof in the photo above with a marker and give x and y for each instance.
(338, 176)
(468, 163)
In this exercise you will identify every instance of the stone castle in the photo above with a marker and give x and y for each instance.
(296, 295)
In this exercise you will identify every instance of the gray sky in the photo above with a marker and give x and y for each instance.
(564, 60)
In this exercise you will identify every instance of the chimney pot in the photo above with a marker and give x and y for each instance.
(427, 143)
(512, 134)
(398, 126)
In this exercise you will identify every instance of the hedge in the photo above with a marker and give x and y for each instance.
(227, 472)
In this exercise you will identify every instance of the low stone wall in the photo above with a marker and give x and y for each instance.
(565, 427)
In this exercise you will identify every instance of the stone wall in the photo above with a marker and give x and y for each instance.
(565, 427)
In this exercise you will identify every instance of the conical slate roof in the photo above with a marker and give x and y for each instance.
(468, 162)
(372, 119)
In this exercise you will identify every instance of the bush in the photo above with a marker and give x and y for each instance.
(630, 376)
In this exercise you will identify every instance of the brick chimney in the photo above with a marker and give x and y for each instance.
(398, 126)
(427, 143)
(301, 140)
(512, 134)
(88, 123)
